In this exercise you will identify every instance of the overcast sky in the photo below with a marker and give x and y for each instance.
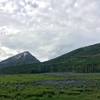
(47, 28)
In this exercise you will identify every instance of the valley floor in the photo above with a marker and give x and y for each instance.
(54, 86)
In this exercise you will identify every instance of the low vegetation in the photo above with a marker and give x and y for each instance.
(54, 86)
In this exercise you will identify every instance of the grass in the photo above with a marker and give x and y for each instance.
(54, 86)
(28, 78)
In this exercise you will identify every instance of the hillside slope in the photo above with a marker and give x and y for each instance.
(86, 59)
(19, 59)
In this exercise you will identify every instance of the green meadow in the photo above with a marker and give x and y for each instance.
(54, 86)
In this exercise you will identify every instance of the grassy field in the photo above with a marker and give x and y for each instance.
(54, 86)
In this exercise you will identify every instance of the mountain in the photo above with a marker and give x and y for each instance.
(85, 59)
(19, 59)
(82, 60)
(84, 52)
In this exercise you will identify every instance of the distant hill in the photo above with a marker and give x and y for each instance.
(19, 59)
(82, 60)
(85, 59)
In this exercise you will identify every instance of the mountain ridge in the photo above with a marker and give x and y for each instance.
(19, 59)
(77, 50)
(81, 60)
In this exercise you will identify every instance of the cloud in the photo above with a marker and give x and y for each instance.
(6, 52)
(48, 28)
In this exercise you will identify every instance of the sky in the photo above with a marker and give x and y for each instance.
(47, 28)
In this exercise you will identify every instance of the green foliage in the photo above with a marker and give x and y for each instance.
(55, 86)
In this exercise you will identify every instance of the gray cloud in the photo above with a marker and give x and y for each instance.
(48, 28)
